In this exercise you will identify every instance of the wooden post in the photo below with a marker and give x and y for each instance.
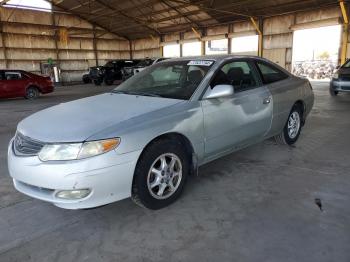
(4, 50)
(181, 45)
(204, 33)
(130, 49)
(344, 46)
(94, 43)
(345, 34)
(56, 36)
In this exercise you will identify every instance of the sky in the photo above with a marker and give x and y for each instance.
(311, 42)
(31, 3)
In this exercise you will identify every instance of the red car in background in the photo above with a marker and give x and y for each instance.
(18, 83)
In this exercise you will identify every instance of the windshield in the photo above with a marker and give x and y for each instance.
(110, 64)
(173, 79)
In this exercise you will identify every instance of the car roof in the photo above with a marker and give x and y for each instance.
(225, 57)
(218, 58)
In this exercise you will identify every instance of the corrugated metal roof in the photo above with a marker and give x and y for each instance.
(141, 18)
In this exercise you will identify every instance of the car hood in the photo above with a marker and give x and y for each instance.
(76, 121)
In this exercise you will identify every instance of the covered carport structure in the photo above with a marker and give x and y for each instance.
(268, 202)
(78, 34)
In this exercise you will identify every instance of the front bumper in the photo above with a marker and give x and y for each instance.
(108, 176)
(340, 85)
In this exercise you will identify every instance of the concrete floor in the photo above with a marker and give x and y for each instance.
(255, 205)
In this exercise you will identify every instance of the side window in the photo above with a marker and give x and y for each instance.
(13, 76)
(270, 74)
(239, 74)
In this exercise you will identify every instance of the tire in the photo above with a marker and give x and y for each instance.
(333, 92)
(155, 190)
(109, 82)
(32, 93)
(86, 80)
(97, 82)
(292, 128)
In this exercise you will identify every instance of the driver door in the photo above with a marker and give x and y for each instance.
(236, 121)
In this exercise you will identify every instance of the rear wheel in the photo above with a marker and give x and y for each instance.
(108, 81)
(32, 92)
(160, 174)
(292, 129)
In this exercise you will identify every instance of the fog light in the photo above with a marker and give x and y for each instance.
(73, 194)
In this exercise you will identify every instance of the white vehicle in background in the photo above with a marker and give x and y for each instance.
(130, 71)
(147, 62)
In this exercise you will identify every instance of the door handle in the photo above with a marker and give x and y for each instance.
(267, 100)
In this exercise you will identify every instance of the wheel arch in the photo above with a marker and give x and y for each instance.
(33, 85)
(184, 140)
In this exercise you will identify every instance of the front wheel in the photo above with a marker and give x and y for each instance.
(108, 82)
(97, 82)
(160, 174)
(32, 93)
(333, 92)
(292, 129)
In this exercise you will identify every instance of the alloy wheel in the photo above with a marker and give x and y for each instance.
(164, 176)
(293, 125)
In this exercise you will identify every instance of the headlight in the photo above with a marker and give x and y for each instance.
(61, 152)
(336, 75)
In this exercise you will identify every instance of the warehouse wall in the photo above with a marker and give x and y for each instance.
(30, 37)
(277, 33)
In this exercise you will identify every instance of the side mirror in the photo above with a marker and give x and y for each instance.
(219, 91)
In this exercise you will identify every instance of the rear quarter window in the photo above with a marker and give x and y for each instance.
(270, 74)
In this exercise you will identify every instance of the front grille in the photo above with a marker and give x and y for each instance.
(347, 88)
(26, 146)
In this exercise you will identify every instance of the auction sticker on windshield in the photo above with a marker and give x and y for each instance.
(200, 63)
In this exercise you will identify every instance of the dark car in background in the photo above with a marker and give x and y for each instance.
(19, 83)
(341, 80)
(111, 71)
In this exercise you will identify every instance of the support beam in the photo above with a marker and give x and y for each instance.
(161, 50)
(181, 45)
(54, 4)
(53, 22)
(130, 49)
(344, 12)
(181, 13)
(345, 34)
(4, 49)
(344, 47)
(197, 33)
(259, 30)
(204, 33)
(94, 44)
(111, 7)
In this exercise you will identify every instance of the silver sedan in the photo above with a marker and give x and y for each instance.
(146, 137)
